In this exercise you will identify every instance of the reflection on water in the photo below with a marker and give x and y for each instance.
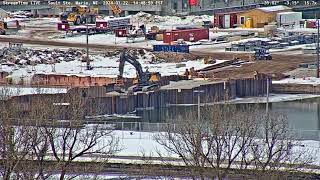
(301, 114)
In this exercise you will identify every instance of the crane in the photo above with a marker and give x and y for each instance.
(114, 7)
(146, 81)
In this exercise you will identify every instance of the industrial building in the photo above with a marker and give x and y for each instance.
(259, 17)
(161, 7)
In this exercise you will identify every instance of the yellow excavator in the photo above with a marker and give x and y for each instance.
(80, 15)
(114, 7)
(145, 80)
(3, 27)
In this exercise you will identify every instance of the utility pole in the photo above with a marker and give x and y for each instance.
(87, 46)
(199, 92)
(267, 103)
(318, 27)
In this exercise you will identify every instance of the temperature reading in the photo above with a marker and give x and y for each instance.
(291, 3)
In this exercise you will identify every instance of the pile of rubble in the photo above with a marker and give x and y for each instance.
(27, 56)
(156, 57)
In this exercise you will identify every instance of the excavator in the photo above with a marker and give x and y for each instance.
(79, 15)
(145, 81)
(3, 27)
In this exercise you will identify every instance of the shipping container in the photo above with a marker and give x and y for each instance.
(101, 24)
(121, 32)
(171, 48)
(63, 26)
(289, 18)
(187, 35)
(113, 23)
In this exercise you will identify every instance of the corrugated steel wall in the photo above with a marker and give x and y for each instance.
(98, 104)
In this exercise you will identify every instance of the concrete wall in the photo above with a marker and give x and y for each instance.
(296, 88)
(70, 81)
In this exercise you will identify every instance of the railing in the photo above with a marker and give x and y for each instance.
(142, 127)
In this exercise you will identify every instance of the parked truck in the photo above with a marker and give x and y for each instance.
(289, 19)
(79, 15)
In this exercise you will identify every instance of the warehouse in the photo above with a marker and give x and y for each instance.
(259, 17)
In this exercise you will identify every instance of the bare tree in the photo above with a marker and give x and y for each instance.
(73, 139)
(227, 137)
(14, 144)
(50, 128)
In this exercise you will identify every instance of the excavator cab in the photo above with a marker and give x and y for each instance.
(3, 27)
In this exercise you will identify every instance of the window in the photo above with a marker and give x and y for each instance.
(242, 19)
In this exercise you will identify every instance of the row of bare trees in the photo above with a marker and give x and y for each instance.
(37, 142)
(230, 139)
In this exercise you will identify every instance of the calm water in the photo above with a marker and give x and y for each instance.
(301, 115)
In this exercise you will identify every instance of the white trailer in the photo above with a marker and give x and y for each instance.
(289, 18)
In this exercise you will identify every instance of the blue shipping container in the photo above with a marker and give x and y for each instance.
(171, 48)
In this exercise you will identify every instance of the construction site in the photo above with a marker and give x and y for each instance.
(124, 63)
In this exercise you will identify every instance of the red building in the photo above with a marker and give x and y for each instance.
(226, 19)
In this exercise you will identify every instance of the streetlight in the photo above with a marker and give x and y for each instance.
(318, 27)
(198, 92)
(267, 103)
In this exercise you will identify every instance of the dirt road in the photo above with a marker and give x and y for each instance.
(280, 64)
(46, 42)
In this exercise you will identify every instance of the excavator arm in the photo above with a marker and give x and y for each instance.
(146, 81)
(126, 57)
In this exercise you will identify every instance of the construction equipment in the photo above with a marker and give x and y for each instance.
(262, 54)
(136, 33)
(79, 15)
(114, 7)
(3, 27)
(145, 81)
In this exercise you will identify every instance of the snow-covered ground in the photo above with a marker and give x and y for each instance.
(19, 91)
(306, 80)
(168, 22)
(143, 143)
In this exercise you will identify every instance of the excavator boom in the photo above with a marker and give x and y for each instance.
(114, 7)
(126, 57)
(145, 79)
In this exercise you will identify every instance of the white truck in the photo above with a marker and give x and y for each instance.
(289, 19)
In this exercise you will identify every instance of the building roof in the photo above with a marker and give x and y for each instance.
(274, 8)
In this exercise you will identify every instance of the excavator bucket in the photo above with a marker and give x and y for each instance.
(155, 77)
